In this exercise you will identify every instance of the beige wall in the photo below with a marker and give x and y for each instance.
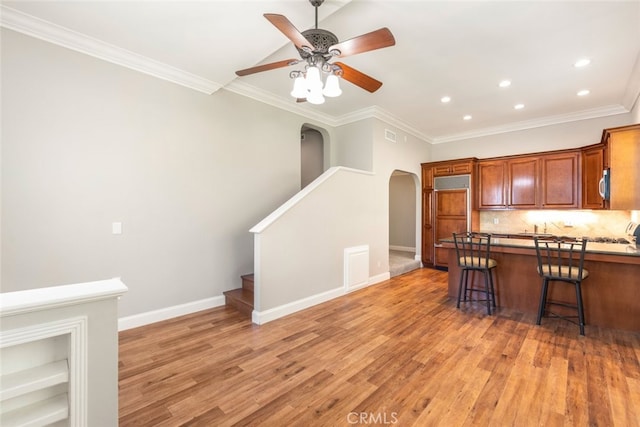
(86, 143)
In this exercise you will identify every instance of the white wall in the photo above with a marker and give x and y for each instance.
(548, 138)
(300, 252)
(86, 143)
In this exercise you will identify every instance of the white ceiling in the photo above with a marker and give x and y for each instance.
(454, 48)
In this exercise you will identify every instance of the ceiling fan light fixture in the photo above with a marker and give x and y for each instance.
(315, 96)
(299, 87)
(313, 78)
(332, 86)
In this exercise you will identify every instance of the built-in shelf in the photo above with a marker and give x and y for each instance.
(40, 413)
(33, 379)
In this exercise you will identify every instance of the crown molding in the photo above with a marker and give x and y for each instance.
(61, 36)
(281, 102)
(594, 113)
(35, 27)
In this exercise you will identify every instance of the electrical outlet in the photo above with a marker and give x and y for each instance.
(568, 223)
(496, 221)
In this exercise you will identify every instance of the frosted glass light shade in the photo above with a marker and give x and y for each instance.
(315, 96)
(299, 88)
(332, 87)
(313, 78)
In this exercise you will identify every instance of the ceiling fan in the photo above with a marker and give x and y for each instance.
(317, 48)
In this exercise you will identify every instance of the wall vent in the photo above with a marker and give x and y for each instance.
(389, 135)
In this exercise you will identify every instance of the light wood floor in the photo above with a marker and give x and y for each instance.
(397, 353)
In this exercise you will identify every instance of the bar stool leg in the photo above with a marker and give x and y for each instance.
(493, 292)
(486, 289)
(580, 308)
(462, 275)
(543, 300)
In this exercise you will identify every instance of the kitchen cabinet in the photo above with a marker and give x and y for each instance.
(593, 158)
(547, 181)
(623, 146)
(451, 215)
(457, 167)
(508, 183)
(492, 181)
(441, 210)
(560, 180)
(427, 216)
(522, 182)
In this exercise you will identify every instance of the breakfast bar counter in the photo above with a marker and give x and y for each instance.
(610, 293)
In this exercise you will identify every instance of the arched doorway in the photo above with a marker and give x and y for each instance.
(403, 219)
(312, 158)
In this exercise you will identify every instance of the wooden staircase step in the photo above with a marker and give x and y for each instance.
(247, 282)
(241, 299)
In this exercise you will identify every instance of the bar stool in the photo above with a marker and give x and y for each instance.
(561, 260)
(472, 253)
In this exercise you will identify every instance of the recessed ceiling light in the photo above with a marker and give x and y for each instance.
(467, 117)
(505, 83)
(583, 92)
(445, 99)
(518, 106)
(582, 62)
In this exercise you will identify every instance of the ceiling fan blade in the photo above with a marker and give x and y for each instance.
(267, 67)
(289, 30)
(371, 41)
(358, 78)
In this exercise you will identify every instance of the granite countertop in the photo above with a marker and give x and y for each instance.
(592, 247)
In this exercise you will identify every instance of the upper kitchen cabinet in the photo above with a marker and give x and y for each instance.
(543, 180)
(561, 180)
(508, 183)
(456, 167)
(523, 182)
(593, 158)
(492, 181)
(623, 145)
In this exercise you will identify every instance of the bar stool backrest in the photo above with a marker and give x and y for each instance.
(472, 250)
(561, 258)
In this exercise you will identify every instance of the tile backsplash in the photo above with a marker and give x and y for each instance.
(574, 223)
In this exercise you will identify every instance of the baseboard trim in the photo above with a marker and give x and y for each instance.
(257, 317)
(402, 248)
(142, 319)
(379, 278)
(262, 317)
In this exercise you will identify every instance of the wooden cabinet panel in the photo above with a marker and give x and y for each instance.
(427, 177)
(492, 178)
(461, 168)
(453, 168)
(523, 183)
(624, 161)
(451, 216)
(561, 180)
(427, 228)
(592, 167)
